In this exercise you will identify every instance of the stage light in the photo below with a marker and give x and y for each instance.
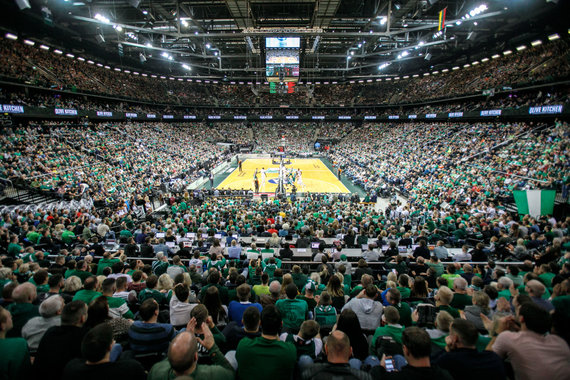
(102, 18)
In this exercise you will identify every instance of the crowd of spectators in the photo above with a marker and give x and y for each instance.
(172, 304)
(450, 285)
(31, 65)
(108, 162)
(449, 163)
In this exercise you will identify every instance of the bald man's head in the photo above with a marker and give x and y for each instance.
(338, 347)
(183, 353)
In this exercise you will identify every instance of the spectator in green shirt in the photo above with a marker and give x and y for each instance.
(503, 285)
(23, 309)
(545, 275)
(390, 328)
(15, 359)
(14, 249)
(151, 292)
(436, 265)
(460, 296)
(394, 298)
(263, 288)
(88, 293)
(443, 298)
(117, 306)
(266, 357)
(81, 270)
(67, 236)
(404, 287)
(107, 261)
(299, 278)
(294, 311)
(450, 275)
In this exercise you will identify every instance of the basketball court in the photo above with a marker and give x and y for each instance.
(316, 177)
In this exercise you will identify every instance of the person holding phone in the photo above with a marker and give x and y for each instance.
(416, 345)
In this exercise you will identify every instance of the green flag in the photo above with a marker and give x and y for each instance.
(535, 202)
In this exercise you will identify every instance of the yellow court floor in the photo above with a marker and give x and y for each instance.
(316, 177)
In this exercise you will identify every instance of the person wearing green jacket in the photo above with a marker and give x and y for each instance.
(88, 293)
(266, 357)
(14, 249)
(390, 328)
(68, 236)
(107, 261)
(293, 310)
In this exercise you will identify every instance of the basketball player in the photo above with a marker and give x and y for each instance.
(262, 176)
(300, 179)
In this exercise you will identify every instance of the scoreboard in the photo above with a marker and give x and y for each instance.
(282, 59)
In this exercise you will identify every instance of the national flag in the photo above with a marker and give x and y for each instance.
(535, 202)
(441, 24)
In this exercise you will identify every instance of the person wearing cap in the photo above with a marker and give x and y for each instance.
(344, 261)
(309, 295)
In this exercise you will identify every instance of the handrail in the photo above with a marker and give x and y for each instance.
(304, 262)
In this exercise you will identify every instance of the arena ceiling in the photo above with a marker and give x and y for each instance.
(340, 39)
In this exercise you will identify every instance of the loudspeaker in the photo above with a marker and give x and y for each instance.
(99, 38)
(23, 4)
(427, 57)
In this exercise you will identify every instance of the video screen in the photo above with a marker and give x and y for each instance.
(282, 65)
(283, 42)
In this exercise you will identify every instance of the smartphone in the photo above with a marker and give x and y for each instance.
(389, 364)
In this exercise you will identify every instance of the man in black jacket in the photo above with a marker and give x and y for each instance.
(338, 353)
(462, 359)
(62, 343)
